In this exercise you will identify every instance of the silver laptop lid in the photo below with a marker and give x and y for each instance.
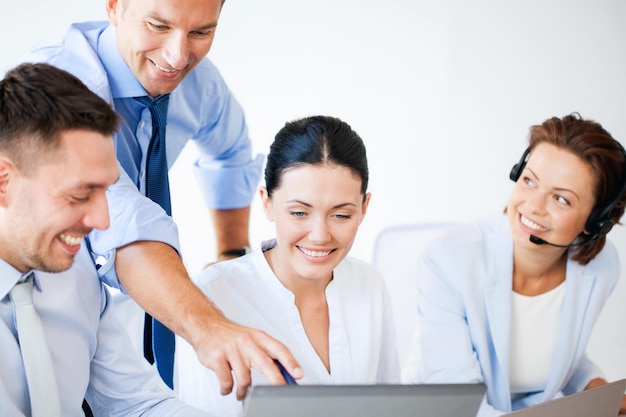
(603, 401)
(423, 400)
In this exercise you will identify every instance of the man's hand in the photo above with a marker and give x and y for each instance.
(228, 349)
(154, 275)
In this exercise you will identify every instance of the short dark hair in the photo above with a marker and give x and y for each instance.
(315, 140)
(38, 102)
(595, 146)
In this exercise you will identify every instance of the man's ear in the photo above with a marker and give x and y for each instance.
(111, 11)
(7, 172)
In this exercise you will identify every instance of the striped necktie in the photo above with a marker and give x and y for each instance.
(157, 179)
(158, 339)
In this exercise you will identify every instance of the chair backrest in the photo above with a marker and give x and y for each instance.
(396, 253)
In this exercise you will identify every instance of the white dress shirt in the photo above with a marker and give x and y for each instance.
(361, 334)
(91, 353)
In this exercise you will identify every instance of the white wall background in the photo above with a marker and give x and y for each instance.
(442, 92)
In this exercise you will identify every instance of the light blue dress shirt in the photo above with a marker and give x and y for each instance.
(92, 355)
(201, 109)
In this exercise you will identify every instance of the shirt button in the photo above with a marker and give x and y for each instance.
(142, 124)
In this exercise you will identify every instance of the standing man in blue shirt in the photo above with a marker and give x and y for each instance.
(155, 48)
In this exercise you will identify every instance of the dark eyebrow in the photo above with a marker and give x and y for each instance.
(299, 202)
(344, 205)
(308, 205)
(569, 191)
(89, 187)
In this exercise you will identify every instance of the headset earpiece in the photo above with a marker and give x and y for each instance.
(517, 169)
(599, 221)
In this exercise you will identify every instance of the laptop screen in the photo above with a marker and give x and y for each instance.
(422, 400)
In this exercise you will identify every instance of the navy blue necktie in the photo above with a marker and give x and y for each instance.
(158, 340)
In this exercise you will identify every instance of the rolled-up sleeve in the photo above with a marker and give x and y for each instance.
(134, 218)
(231, 186)
(227, 170)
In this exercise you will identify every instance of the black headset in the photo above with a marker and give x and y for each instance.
(599, 222)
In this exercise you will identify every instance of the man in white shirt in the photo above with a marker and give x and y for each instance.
(57, 159)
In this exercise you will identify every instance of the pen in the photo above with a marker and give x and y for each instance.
(288, 378)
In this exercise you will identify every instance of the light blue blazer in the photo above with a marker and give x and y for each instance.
(464, 315)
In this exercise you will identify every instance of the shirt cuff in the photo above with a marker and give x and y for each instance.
(229, 187)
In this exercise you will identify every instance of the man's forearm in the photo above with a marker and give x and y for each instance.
(155, 277)
(231, 228)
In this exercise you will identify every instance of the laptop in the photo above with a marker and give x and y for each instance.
(423, 400)
(603, 401)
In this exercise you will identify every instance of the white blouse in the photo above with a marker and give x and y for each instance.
(534, 331)
(361, 334)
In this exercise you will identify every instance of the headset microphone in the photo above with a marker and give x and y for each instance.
(539, 241)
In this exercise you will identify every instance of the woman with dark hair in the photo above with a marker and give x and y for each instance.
(332, 311)
(511, 301)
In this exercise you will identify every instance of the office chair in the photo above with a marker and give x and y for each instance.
(396, 253)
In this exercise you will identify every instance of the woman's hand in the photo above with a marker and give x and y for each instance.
(598, 382)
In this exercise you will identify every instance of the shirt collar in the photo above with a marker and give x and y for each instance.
(121, 79)
(10, 276)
